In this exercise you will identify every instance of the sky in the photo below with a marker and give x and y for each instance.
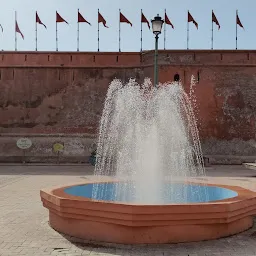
(225, 11)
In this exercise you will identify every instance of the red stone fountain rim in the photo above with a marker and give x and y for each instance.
(243, 194)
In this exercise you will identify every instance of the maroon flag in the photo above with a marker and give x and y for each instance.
(215, 20)
(144, 20)
(238, 21)
(102, 20)
(59, 18)
(191, 19)
(38, 20)
(124, 19)
(82, 19)
(17, 29)
(167, 21)
(104, 23)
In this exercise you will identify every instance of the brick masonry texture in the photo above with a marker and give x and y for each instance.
(63, 93)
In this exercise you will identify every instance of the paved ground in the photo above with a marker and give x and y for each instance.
(24, 228)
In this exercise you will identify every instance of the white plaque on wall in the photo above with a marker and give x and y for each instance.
(24, 143)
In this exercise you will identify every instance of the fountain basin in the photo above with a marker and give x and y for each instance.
(117, 222)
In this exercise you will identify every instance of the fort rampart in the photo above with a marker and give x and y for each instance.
(58, 96)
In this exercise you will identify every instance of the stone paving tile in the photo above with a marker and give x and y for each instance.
(24, 229)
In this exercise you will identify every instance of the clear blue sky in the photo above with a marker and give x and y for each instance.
(225, 10)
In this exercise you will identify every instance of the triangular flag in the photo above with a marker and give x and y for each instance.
(238, 21)
(80, 18)
(124, 19)
(191, 19)
(214, 19)
(144, 20)
(17, 29)
(101, 19)
(38, 20)
(59, 18)
(167, 21)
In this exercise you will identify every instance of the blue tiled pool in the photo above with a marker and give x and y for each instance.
(173, 193)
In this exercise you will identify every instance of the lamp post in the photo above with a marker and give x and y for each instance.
(157, 24)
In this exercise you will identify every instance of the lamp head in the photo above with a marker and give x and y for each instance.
(157, 24)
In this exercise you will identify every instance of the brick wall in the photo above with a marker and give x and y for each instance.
(63, 92)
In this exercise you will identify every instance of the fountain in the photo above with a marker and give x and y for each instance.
(145, 137)
(149, 184)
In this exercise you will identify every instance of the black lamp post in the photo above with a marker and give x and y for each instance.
(157, 24)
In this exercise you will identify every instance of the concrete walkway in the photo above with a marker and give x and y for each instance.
(24, 228)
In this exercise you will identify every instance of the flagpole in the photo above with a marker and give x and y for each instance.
(77, 31)
(141, 31)
(164, 28)
(187, 35)
(15, 31)
(236, 28)
(36, 33)
(119, 31)
(98, 32)
(56, 33)
(212, 31)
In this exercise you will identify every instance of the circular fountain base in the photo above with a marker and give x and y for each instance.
(160, 234)
(111, 222)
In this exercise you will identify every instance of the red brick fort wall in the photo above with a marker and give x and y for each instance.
(63, 92)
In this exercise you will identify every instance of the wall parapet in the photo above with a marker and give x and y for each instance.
(203, 57)
(69, 59)
(126, 59)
